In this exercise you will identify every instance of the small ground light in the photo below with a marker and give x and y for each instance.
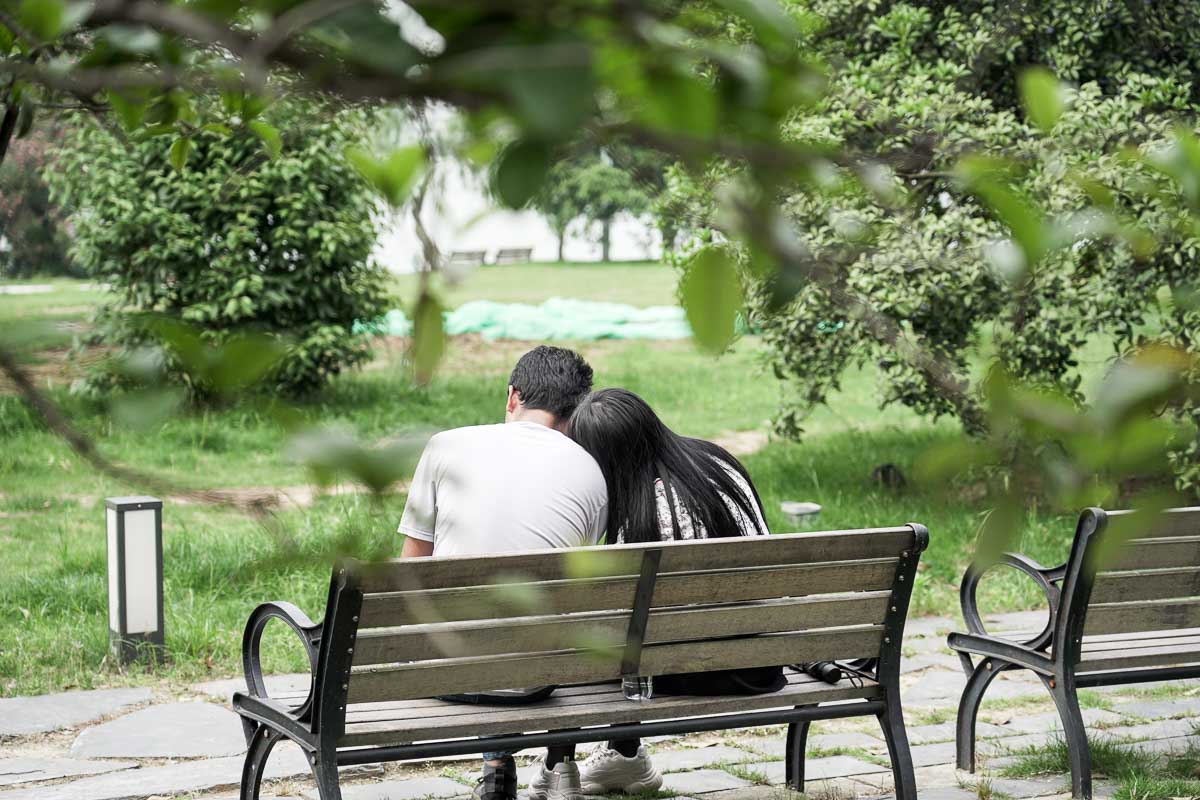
(801, 515)
(135, 577)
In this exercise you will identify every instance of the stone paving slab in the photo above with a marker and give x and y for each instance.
(1160, 709)
(276, 685)
(21, 716)
(173, 730)
(172, 779)
(1050, 720)
(695, 757)
(399, 790)
(930, 755)
(27, 770)
(702, 781)
(816, 769)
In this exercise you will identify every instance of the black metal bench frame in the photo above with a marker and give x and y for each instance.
(1053, 654)
(318, 722)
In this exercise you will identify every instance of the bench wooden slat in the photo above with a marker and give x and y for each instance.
(1156, 655)
(1108, 640)
(1180, 551)
(441, 712)
(565, 632)
(429, 678)
(1170, 523)
(453, 572)
(610, 708)
(604, 594)
(1145, 615)
(1146, 584)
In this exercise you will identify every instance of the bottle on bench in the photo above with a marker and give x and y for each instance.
(636, 687)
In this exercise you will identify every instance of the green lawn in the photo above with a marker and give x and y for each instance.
(219, 564)
(635, 283)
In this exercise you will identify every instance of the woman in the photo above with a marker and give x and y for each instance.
(661, 486)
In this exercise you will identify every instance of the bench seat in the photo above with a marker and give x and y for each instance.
(406, 721)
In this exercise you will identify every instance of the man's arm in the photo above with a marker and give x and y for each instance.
(415, 548)
(419, 521)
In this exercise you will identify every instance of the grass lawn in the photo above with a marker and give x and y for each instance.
(218, 565)
(635, 283)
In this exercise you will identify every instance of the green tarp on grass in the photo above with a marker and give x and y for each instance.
(557, 318)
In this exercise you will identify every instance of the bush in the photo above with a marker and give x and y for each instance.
(236, 241)
(30, 224)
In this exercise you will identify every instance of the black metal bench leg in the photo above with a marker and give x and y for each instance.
(797, 739)
(1079, 755)
(325, 770)
(968, 712)
(260, 745)
(892, 722)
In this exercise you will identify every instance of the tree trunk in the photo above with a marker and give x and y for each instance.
(605, 230)
(562, 243)
(7, 126)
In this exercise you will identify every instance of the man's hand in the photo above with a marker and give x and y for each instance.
(416, 548)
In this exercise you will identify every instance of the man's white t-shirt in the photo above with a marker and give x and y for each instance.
(500, 488)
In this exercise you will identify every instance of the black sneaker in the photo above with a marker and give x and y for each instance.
(498, 783)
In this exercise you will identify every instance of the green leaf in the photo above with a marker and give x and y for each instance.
(520, 172)
(49, 19)
(179, 153)
(429, 337)
(988, 178)
(130, 108)
(243, 361)
(552, 101)
(712, 296)
(393, 176)
(1043, 97)
(768, 18)
(272, 141)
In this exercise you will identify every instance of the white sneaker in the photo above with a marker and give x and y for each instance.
(606, 770)
(560, 783)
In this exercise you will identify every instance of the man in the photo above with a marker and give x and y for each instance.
(522, 485)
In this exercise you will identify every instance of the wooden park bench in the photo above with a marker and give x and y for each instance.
(514, 255)
(1124, 608)
(398, 633)
(466, 258)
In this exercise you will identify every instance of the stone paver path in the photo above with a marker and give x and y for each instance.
(136, 744)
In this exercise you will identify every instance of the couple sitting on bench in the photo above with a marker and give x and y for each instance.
(572, 467)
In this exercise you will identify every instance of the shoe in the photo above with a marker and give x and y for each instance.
(560, 783)
(497, 783)
(606, 770)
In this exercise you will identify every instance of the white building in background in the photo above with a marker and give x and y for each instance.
(464, 217)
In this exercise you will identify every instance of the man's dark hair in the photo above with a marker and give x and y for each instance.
(551, 379)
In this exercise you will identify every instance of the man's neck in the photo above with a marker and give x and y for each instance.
(538, 417)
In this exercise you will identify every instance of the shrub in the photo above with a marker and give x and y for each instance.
(31, 225)
(231, 240)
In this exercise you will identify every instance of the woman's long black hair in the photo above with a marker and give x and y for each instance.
(633, 447)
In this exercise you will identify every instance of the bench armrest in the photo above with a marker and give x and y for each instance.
(275, 715)
(1003, 649)
(308, 632)
(1048, 580)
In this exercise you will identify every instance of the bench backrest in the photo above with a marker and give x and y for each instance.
(1130, 572)
(513, 255)
(420, 627)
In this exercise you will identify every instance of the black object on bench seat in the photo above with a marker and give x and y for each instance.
(1124, 608)
(398, 633)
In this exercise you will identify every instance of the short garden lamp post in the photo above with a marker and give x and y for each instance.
(135, 577)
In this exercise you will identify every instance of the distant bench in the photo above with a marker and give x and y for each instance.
(397, 633)
(514, 255)
(466, 258)
(1124, 608)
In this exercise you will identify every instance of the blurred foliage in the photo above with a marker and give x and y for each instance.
(232, 240)
(33, 228)
(985, 212)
